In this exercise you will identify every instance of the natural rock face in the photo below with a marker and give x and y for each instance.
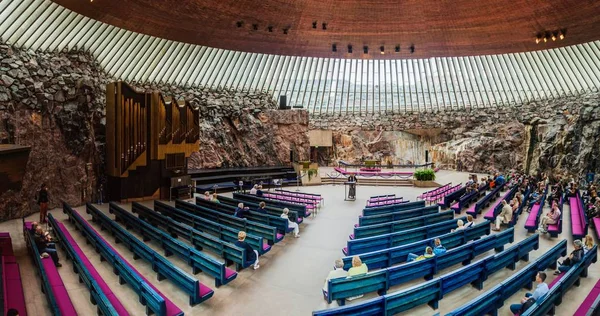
(55, 103)
(559, 136)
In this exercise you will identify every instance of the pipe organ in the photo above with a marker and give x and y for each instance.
(148, 140)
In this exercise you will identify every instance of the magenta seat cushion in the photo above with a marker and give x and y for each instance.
(351, 236)
(345, 250)
(63, 301)
(229, 273)
(279, 236)
(205, 290)
(556, 279)
(266, 247)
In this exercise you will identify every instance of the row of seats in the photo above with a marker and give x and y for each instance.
(533, 220)
(431, 292)
(579, 222)
(12, 285)
(302, 194)
(52, 284)
(485, 201)
(382, 280)
(300, 209)
(226, 250)
(199, 261)
(377, 198)
(268, 232)
(449, 198)
(591, 304)
(440, 196)
(561, 285)
(271, 210)
(489, 302)
(394, 255)
(464, 201)
(493, 211)
(276, 221)
(435, 191)
(100, 293)
(392, 208)
(362, 245)
(396, 216)
(396, 200)
(221, 231)
(310, 204)
(149, 296)
(392, 227)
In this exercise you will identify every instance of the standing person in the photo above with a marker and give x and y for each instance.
(43, 202)
(100, 190)
(541, 289)
(251, 254)
(290, 223)
(353, 180)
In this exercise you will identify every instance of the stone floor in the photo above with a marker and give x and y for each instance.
(291, 275)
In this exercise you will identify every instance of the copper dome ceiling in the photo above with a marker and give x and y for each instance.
(435, 28)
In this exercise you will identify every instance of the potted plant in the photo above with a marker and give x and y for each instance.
(424, 178)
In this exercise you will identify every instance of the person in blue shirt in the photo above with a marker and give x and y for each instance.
(262, 208)
(251, 254)
(240, 211)
(438, 249)
(540, 290)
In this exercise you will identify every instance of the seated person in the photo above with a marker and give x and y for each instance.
(44, 243)
(534, 198)
(551, 217)
(504, 217)
(251, 254)
(337, 272)
(500, 180)
(291, 224)
(358, 268)
(34, 226)
(438, 249)
(259, 191)
(470, 221)
(215, 198)
(207, 196)
(262, 208)
(240, 211)
(460, 225)
(428, 254)
(254, 189)
(575, 256)
(541, 289)
(588, 243)
(514, 204)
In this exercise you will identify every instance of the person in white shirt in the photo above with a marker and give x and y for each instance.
(254, 189)
(460, 225)
(505, 215)
(337, 272)
(290, 223)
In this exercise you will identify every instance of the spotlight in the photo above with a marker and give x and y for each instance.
(255, 27)
(334, 48)
(397, 48)
(349, 49)
(285, 31)
(239, 23)
(412, 49)
(314, 24)
(553, 37)
(324, 25)
(382, 50)
(366, 49)
(562, 33)
(270, 28)
(538, 38)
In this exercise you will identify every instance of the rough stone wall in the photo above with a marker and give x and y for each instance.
(558, 136)
(55, 103)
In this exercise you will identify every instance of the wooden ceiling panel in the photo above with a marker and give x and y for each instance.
(437, 28)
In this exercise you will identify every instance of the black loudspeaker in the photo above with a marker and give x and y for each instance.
(291, 156)
(283, 102)
(426, 156)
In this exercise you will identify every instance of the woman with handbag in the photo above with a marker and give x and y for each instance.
(575, 256)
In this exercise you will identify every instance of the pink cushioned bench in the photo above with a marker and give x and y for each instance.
(93, 272)
(577, 221)
(586, 306)
(171, 308)
(6, 244)
(531, 221)
(63, 301)
(13, 286)
(596, 221)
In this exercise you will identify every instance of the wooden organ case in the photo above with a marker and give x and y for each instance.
(149, 138)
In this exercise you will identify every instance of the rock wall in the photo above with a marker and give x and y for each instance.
(55, 103)
(558, 136)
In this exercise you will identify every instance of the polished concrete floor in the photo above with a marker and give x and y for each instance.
(291, 275)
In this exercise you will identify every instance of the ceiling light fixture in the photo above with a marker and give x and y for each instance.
(285, 30)
(239, 23)
(538, 38)
(412, 49)
(382, 50)
(554, 37)
(366, 49)
(349, 49)
(334, 48)
(255, 27)
(397, 48)
(270, 28)
(314, 24)
(562, 33)
(324, 25)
